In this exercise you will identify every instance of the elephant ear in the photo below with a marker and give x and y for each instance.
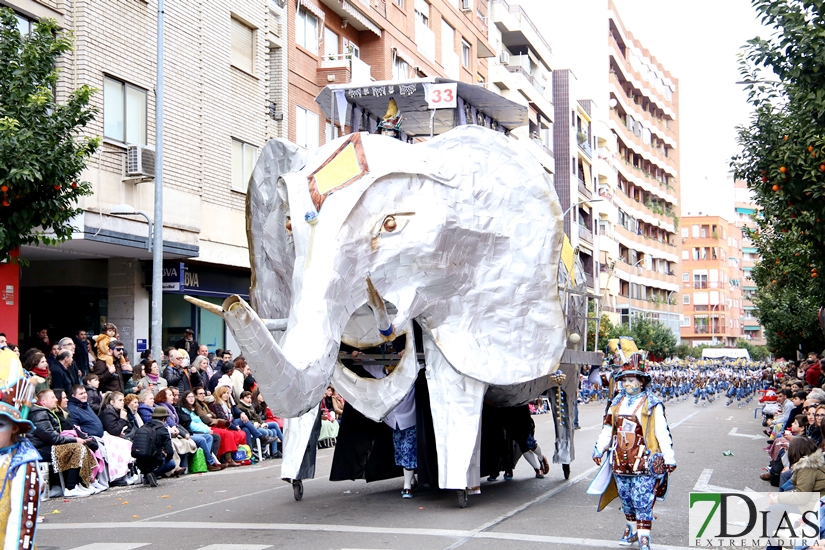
(271, 251)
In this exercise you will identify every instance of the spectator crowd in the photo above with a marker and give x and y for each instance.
(102, 421)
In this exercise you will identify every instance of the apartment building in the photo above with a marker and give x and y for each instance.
(744, 210)
(522, 71)
(224, 80)
(575, 179)
(355, 41)
(712, 281)
(608, 218)
(643, 99)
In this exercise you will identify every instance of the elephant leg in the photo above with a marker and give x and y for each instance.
(456, 402)
(300, 444)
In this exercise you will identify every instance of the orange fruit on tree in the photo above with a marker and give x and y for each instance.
(775, 187)
(783, 169)
(810, 148)
(786, 137)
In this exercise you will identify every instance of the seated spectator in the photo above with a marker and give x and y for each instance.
(62, 375)
(246, 407)
(130, 404)
(182, 442)
(155, 440)
(201, 365)
(199, 431)
(82, 414)
(265, 412)
(62, 410)
(153, 381)
(179, 374)
(113, 415)
(223, 409)
(36, 364)
(231, 436)
(65, 453)
(131, 379)
(146, 406)
(91, 382)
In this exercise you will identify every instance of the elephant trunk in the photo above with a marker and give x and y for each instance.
(294, 389)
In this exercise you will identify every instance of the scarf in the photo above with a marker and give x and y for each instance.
(153, 377)
(42, 372)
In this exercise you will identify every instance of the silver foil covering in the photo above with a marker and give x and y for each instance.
(472, 254)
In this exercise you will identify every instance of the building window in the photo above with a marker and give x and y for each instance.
(330, 44)
(686, 299)
(24, 24)
(685, 255)
(306, 128)
(124, 112)
(685, 232)
(685, 277)
(422, 12)
(465, 53)
(336, 132)
(685, 321)
(306, 30)
(244, 156)
(399, 3)
(243, 46)
(400, 69)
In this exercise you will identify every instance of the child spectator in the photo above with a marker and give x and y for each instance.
(93, 397)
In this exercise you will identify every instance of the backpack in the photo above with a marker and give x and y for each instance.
(143, 445)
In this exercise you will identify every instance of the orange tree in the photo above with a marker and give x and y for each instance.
(42, 154)
(782, 159)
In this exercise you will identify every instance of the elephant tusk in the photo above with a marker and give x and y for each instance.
(379, 308)
(212, 308)
(375, 398)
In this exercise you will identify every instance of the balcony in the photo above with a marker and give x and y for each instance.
(584, 144)
(584, 191)
(425, 40)
(520, 85)
(585, 234)
(345, 69)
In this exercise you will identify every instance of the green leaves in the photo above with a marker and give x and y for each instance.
(782, 160)
(42, 154)
(650, 335)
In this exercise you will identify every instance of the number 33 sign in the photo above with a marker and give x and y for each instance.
(442, 96)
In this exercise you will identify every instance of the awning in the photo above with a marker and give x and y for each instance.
(360, 17)
(312, 8)
(409, 95)
(588, 179)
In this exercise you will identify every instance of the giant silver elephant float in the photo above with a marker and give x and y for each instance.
(461, 233)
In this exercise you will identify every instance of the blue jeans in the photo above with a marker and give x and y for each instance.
(249, 428)
(204, 442)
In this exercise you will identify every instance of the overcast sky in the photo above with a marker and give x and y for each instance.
(698, 42)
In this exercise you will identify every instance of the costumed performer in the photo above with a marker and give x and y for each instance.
(20, 491)
(639, 448)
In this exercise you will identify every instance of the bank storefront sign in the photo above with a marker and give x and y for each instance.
(753, 520)
(201, 280)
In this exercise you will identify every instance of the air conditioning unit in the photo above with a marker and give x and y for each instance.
(504, 57)
(140, 161)
(466, 5)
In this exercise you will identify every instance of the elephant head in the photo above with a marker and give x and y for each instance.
(461, 233)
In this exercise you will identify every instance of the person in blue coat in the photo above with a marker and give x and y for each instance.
(82, 414)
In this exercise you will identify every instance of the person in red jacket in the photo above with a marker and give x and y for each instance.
(813, 371)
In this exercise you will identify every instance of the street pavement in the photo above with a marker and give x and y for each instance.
(250, 508)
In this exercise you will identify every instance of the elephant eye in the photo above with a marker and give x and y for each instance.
(392, 224)
(288, 224)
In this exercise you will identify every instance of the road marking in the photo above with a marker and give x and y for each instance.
(735, 432)
(685, 419)
(236, 547)
(449, 533)
(285, 485)
(703, 486)
(110, 546)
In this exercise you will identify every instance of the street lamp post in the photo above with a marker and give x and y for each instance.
(126, 210)
(668, 309)
(572, 206)
(157, 253)
(630, 295)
